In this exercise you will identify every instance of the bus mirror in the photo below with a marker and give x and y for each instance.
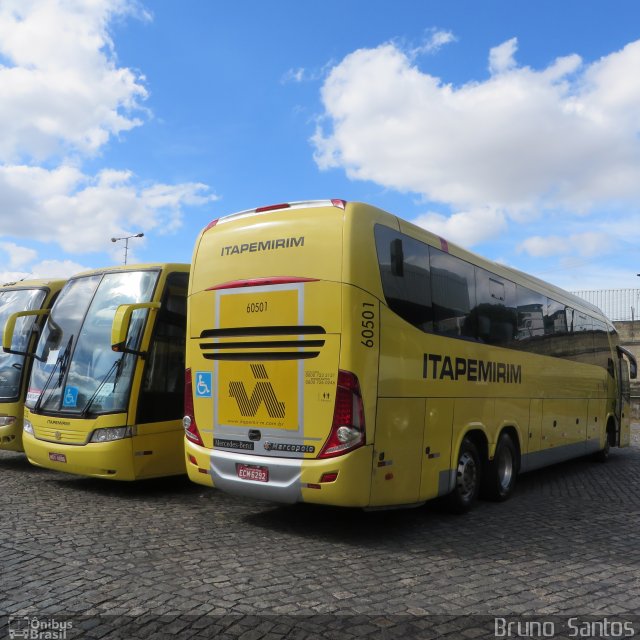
(121, 322)
(633, 363)
(9, 330)
(397, 257)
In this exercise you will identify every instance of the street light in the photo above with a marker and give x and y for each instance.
(126, 243)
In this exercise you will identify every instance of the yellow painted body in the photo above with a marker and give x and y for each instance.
(11, 409)
(273, 382)
(61, 441)
(154, 451)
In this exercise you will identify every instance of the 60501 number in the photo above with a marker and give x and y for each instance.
(257, 307)
(368, 324)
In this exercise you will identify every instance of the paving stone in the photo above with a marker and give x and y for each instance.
(567, 543)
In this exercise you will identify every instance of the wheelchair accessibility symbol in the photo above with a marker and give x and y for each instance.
(70, 397)
(203, 384)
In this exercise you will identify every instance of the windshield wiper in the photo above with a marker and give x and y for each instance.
(63, 362)
(116, 366)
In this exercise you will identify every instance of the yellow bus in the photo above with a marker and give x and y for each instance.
(105, 397)
(27, 295)
(337, 354)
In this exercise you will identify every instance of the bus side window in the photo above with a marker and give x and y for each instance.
(162, 392)
(601, 343)
(583, 343)
(496, 308)
(404, 271)
(531, 312)
(453, 292)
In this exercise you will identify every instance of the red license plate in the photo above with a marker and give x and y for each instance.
(57, 457)
(253, 472)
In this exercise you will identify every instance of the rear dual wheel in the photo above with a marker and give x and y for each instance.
(499, 478)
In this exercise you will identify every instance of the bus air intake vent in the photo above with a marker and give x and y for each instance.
(262, 343)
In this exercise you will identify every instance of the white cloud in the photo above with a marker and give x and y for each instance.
(56, 269)
(543, 247)
(465, 228)
(586, 244)
(502, 57)
(522, 141)
(81, 212)
(294, 75)
(17, 255)
(46, 269)
(63, 97)
(436, 39)
(61, 87)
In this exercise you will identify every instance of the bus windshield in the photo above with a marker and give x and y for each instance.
(11, 364)
(75, 370)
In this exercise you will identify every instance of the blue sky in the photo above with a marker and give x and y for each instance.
(511, 128)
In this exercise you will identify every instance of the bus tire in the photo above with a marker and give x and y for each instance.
(499, 477)
(603, 454)
(468, 473)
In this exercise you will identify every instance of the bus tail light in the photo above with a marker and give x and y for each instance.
(212, 224)
(348, 429)
(189, 420)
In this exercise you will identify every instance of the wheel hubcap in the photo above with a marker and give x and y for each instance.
(467, 476)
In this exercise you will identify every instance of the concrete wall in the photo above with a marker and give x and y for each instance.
(630, 339)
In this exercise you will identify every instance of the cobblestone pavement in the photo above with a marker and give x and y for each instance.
(170, 556)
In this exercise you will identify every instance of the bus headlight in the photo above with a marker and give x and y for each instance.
(5, 421)
(109, 434)
(27, 427)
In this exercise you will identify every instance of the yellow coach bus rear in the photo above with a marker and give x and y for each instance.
(337, 354)
(27, 295)
(105, 396)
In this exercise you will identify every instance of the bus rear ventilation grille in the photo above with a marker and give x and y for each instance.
(274, 349)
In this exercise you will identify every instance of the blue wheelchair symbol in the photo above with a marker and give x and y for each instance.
(203, 384)
(70, 397)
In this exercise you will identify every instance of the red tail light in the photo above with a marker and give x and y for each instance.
(348, 429)
(260, 282)
(273, 207)
(212, 224)
(189, 420)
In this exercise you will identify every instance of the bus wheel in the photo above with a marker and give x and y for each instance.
(603, 454)
(461, 499)
(499, 479)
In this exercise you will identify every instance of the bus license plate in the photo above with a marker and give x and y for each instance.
(253, 472)
(57, 457)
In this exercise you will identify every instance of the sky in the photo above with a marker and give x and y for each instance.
(510, 128)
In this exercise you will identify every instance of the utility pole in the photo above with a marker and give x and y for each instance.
(126, 243)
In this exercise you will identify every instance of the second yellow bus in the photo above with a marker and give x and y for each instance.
(105, 396)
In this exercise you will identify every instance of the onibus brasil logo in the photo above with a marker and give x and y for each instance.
(262, 393)
(38, 628)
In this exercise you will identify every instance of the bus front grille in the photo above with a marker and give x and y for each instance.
(63, 436)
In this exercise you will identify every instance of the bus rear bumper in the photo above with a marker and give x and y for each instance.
(341, 481)
(112, 460)
(198, 463)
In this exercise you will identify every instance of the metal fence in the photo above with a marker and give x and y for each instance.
(617, 304)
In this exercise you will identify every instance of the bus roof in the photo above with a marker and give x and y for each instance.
(169, 266)
(38, 283)
(429, 237)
